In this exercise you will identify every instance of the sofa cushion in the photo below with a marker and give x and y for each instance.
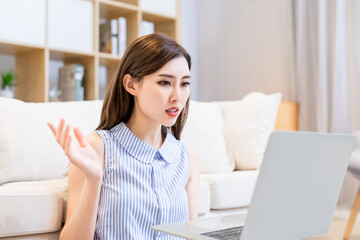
(248, 125)
(204, 198)
(28, 149)
(38, 236)
(27, 210)
(231, 190)
(203, 131)
(59, 186)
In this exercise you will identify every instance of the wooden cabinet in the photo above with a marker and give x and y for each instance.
(71, 25)
(23, 21)
(39, 31)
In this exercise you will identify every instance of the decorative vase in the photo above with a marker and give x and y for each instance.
(7, 92)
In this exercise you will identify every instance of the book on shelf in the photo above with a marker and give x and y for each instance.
(113, 36)
(122, 36)
(71, 82)
(147, 28)
(105, 36)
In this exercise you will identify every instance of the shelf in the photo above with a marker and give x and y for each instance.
(113, 9)
(107, 59)
(89, 63)
(163, 24)
(110, 62)
(37, 66)
(128, 3)
(15, 48)
(30, 62)
(156, 18)
(60, 54)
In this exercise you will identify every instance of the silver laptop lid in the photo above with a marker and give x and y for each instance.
(306, 172)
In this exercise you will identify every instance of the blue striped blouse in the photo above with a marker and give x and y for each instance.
(142, 186)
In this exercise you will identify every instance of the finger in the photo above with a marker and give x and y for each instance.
(52, 127)
(65, 136)
(67, 147)
(60, 130)
(69, 152)
(79, 137)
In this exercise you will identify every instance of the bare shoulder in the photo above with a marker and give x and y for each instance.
(191, 150)
(193, 156)
(96, 142)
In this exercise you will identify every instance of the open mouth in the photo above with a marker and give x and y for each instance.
(173, 112)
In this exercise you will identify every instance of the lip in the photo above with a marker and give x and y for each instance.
(172, 114)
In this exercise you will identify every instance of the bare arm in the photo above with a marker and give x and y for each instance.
(84, 182)
(192, 187)
(83, 199)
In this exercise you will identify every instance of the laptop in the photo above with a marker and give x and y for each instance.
(295, 194)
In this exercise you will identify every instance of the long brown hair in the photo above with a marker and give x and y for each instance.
(144, 56)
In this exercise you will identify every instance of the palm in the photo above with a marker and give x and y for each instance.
(83, 155)
(86, 159)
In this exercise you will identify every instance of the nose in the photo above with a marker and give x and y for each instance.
(175, 95)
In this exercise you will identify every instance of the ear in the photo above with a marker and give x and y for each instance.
(130, 85)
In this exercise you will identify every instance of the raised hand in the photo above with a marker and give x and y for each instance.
(83, 155)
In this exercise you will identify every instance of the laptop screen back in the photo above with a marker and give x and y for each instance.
(298, 185)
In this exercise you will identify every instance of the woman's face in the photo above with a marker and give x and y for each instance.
(162, 95)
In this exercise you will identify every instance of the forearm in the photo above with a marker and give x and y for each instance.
(193, 202)
(192, 189)
(81, 224)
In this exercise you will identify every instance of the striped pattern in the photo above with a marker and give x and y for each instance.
(142, 186)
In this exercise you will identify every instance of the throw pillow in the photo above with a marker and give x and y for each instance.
(203, 131)
(248, 125)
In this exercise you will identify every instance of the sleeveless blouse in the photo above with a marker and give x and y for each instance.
(142, 186)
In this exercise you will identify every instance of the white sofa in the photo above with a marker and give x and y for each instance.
(230, 138)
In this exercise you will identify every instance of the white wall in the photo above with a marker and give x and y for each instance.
(189, 39)
(242, 47)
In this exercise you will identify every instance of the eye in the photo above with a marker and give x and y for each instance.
(185, 84)
(164, 83)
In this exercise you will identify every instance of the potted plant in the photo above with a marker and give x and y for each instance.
(8, 82)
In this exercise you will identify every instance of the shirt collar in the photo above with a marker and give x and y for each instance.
(144, 152)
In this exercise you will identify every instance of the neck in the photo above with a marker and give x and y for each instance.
(146, 130)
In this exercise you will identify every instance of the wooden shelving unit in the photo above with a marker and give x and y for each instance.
(32, 60)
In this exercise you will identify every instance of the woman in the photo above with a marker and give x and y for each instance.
(133, 172)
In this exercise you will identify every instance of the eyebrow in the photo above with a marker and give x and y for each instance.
(172, 76)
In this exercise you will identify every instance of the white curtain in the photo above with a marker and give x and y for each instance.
(326, 64)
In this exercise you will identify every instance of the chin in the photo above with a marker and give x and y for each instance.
(169, 123)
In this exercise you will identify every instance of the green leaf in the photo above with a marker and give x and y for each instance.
(8, 79)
